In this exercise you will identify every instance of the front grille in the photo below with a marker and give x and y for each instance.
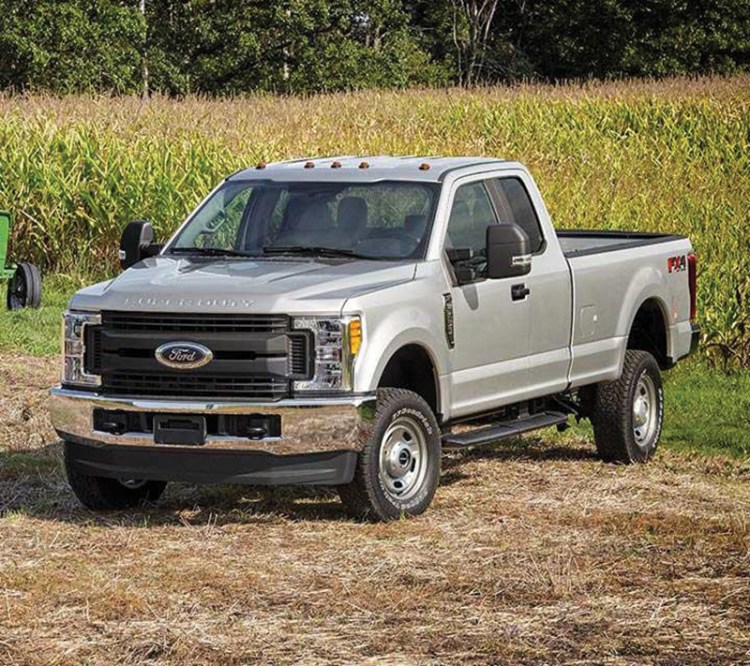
(93, 351)
(174, 385)
(255, 357)
(195, 323)
(298, 355)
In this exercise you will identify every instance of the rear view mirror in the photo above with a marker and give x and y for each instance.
(508, 253)
(136, 243)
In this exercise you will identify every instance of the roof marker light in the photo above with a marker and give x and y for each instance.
(364, 165)
(335, 165)
(309, 165)
(424, 166)
(260, 165)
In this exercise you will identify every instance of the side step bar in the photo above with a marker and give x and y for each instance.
(504, 430)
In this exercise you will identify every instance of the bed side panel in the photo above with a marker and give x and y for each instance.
(609, 288)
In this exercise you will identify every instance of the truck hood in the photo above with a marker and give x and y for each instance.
(192, 284)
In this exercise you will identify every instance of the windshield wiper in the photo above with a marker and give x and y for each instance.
(315, 251)
(208, 251)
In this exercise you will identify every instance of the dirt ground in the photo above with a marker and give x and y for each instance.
(533, 552)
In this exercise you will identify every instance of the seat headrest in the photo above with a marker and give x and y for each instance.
(315, 217)
(352, 214)
(293, 210)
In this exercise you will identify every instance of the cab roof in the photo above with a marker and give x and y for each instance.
(354, 168)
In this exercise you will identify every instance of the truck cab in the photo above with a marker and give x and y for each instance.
(340, 321)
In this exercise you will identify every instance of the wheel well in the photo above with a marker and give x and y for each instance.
(649, 332)
(411, 368)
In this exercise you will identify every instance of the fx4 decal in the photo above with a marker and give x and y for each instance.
(676, 264)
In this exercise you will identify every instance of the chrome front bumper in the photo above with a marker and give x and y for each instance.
(307, 425)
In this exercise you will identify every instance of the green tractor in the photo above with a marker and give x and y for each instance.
(24, 279)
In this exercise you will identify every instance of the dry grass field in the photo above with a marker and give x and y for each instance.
(533, 552)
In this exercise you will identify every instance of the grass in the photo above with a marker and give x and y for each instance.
(699, 419)
(668, 156)
(533, 552)
(37, 332)
(708, 412)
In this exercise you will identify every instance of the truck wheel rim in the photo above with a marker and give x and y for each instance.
(645, 411)
(403, 458)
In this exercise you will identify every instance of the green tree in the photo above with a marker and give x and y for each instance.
(82, 45)
(609, 38)
(220, 47)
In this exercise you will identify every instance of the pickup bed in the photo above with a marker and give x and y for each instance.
(340, 321)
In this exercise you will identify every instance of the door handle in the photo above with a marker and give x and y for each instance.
(518, 292)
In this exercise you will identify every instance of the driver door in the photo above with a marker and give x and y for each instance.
(491, 329)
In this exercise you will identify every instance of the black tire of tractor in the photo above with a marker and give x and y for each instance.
(25, 287)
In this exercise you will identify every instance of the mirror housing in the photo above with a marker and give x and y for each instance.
(136, 243)
(508, 253)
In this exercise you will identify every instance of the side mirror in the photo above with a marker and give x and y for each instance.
(508, 253)
(136, 243)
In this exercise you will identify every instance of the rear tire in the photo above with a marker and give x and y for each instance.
(25, 287)
(398, 470)
(103, 494)
(628, 413)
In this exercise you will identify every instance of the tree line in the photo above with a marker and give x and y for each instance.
(178, 47)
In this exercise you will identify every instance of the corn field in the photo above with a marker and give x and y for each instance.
(671, 156)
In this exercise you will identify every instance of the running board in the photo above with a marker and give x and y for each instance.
(505, 430)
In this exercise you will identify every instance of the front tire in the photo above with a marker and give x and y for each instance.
(628, 413)
(103, 494)
(398, 470)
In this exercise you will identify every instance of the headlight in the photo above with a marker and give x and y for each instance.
(336, 342)
(74, 348)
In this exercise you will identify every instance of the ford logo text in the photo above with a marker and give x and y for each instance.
(183, 355)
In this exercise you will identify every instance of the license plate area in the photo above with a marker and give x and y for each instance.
(179, 429)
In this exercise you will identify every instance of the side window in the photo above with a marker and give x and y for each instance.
(470, 216)
(514, 205)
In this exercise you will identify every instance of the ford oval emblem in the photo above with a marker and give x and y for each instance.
(183, 355)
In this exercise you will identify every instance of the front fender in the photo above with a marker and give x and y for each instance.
(410, 314)
(374, 357)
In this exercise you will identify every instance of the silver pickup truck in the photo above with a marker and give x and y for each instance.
(340, 321)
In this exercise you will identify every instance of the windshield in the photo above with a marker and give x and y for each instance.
(382, 220)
